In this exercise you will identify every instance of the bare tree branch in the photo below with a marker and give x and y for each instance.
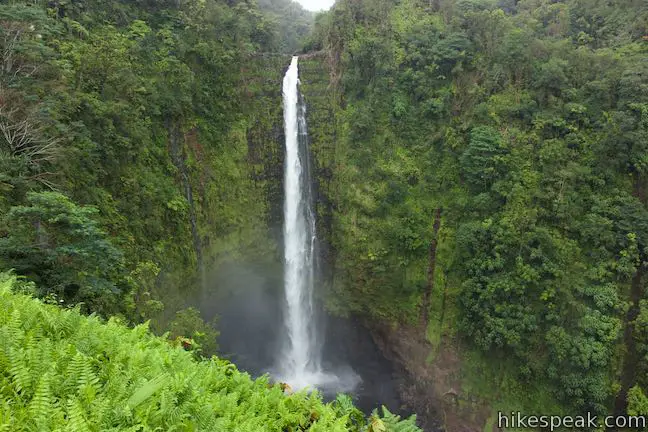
(23, 133)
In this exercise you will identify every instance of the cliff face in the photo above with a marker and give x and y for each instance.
(230, 178)
(424, 388)
(166, 118)
(482, 170)
(322, 101)
(242, 195)
(439, 378)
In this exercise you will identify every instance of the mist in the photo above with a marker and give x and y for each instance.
(247, 301)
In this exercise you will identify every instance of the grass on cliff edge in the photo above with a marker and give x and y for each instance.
(63, 371)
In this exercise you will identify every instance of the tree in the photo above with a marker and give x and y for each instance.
(200, 336)
(483, 162)
(58, 244)
(27, 152)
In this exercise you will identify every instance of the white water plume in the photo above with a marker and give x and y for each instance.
(300, 363)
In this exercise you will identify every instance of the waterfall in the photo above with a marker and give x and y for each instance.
(300, 361)
(301, 358)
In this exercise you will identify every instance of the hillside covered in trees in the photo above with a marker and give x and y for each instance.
(133, 153)
(481, 192)
(485, 187)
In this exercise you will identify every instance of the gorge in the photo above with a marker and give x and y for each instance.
(461, 230)
(316, 351)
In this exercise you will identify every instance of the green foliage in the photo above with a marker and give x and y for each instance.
(58, 244)
(390, 423)
(482, 163)
(59, 369)
(343, 405)
(157, 122)
(188, 323)
(293, 23)
(637, 402)
(27, 148)
(140, 305)
(148, 112)
(525, 123)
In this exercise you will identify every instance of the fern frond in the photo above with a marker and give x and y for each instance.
(147, 390)
(6, 417)
(14, 326)
(22, 377)
(393, 423)
(40, 406)
(5, 346)
(6, 282)
(85, 373)
(75, 417)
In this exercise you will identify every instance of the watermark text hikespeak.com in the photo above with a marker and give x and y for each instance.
(516, 419)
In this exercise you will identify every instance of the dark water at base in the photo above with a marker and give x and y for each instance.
(250, 322)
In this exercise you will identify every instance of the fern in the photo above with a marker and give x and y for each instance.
(14, 327)
(5, 346)
(393, 423)
(76, 421)
(86, 378)
(7, 281)
(147, 390)
(62, 371)
(41, 405)
(22, 378)
(6, 416)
